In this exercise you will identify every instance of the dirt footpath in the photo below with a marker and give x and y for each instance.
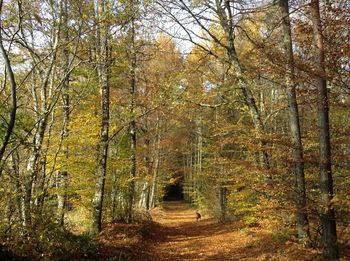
(178, 236)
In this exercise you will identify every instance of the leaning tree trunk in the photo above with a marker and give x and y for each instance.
(326, 182)
(11, 122)
(225, 14)
(298, 158)
(103, 71)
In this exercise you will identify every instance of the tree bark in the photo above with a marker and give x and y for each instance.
(327, 213)
(103, 63)
(11, 123)
(63, 179)
(297, 150)
(61, 185)
(133, 136)
(222, 201)
(155, 167)
(144, 199)
(31, 171)
(114, 195)
(17, 184)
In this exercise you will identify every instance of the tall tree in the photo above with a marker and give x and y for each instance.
(62, 178)
(326, 181)
(132, 127)
(103, 61)
(298, 158)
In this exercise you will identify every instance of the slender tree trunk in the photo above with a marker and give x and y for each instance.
(17, 184)
(188, 175)
(199, 133)
(133, 136)
(184, 164)
(326, 182)
(222, 201)
(61, 185)
(31, 173)
(192, 173)
(103, 63)
(155, 167)
(298, 158)
(63, 179)
(114, 195)
(13, 111)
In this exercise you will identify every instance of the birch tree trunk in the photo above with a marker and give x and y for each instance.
(326, 181)
(102, 36)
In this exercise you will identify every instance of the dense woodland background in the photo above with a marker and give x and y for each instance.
(107, 106)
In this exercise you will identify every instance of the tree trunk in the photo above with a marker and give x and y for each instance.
(191, 172)
(63, 179)
(223, 202)
(144, 199)
(31, 171)
(155, 167)
(61, 185)
(298, 158)
(185, 184)
(114, 195)
(199, 133)
(133, 136)
(17, 184)
(103, 63)
(11, 123)
(326, 182)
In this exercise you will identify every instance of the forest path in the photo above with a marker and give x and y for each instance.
(180, 237)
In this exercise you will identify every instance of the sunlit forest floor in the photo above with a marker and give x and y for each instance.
(176, 235)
